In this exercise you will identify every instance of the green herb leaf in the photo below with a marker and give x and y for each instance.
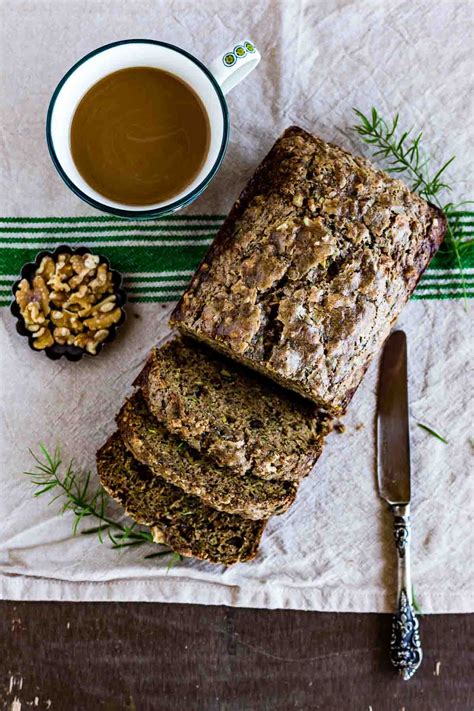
(175, 558)
(76, 492)
(433, 432)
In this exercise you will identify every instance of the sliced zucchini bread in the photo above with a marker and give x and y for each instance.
(237, 418)
(178, 520)
(180, 464)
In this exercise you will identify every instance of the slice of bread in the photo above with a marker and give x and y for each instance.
(238, 419)
(178, 520)
(178, 463)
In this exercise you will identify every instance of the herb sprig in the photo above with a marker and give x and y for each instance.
(84, 502)
(403, 154)
(432, 432)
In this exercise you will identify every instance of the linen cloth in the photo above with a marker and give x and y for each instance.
(333, 549)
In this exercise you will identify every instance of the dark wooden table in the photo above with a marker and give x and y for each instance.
(151, 657)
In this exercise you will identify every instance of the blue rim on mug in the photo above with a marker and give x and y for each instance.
(156, 211)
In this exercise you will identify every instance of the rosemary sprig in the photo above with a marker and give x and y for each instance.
(85, 503)
(433, 432)
(403, 154)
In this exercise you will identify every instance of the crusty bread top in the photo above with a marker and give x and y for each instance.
(311, 268)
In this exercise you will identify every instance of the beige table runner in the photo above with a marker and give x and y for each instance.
(333, 549)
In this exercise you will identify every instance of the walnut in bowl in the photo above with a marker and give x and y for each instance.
(68, 303)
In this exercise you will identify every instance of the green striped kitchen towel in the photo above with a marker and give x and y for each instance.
(158, 258)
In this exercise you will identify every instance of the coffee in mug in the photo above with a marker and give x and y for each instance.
(140, 136)
(138, 128)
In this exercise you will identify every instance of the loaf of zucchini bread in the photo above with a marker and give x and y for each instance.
(176, 462)
(311, 268)
(177, 519)
(237, 418)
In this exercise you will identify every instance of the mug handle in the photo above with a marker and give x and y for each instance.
(234, 65)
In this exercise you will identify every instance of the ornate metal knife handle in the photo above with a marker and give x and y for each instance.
(405, 645)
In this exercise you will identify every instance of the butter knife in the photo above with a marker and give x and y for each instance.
(393, 475)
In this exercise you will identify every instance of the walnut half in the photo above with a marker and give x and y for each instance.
(90, 340)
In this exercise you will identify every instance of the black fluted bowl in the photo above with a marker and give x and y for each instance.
(56, 351)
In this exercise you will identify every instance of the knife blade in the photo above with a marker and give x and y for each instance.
(393, 440)
(394, 484)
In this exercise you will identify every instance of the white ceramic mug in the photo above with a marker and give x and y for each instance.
(210, 83)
